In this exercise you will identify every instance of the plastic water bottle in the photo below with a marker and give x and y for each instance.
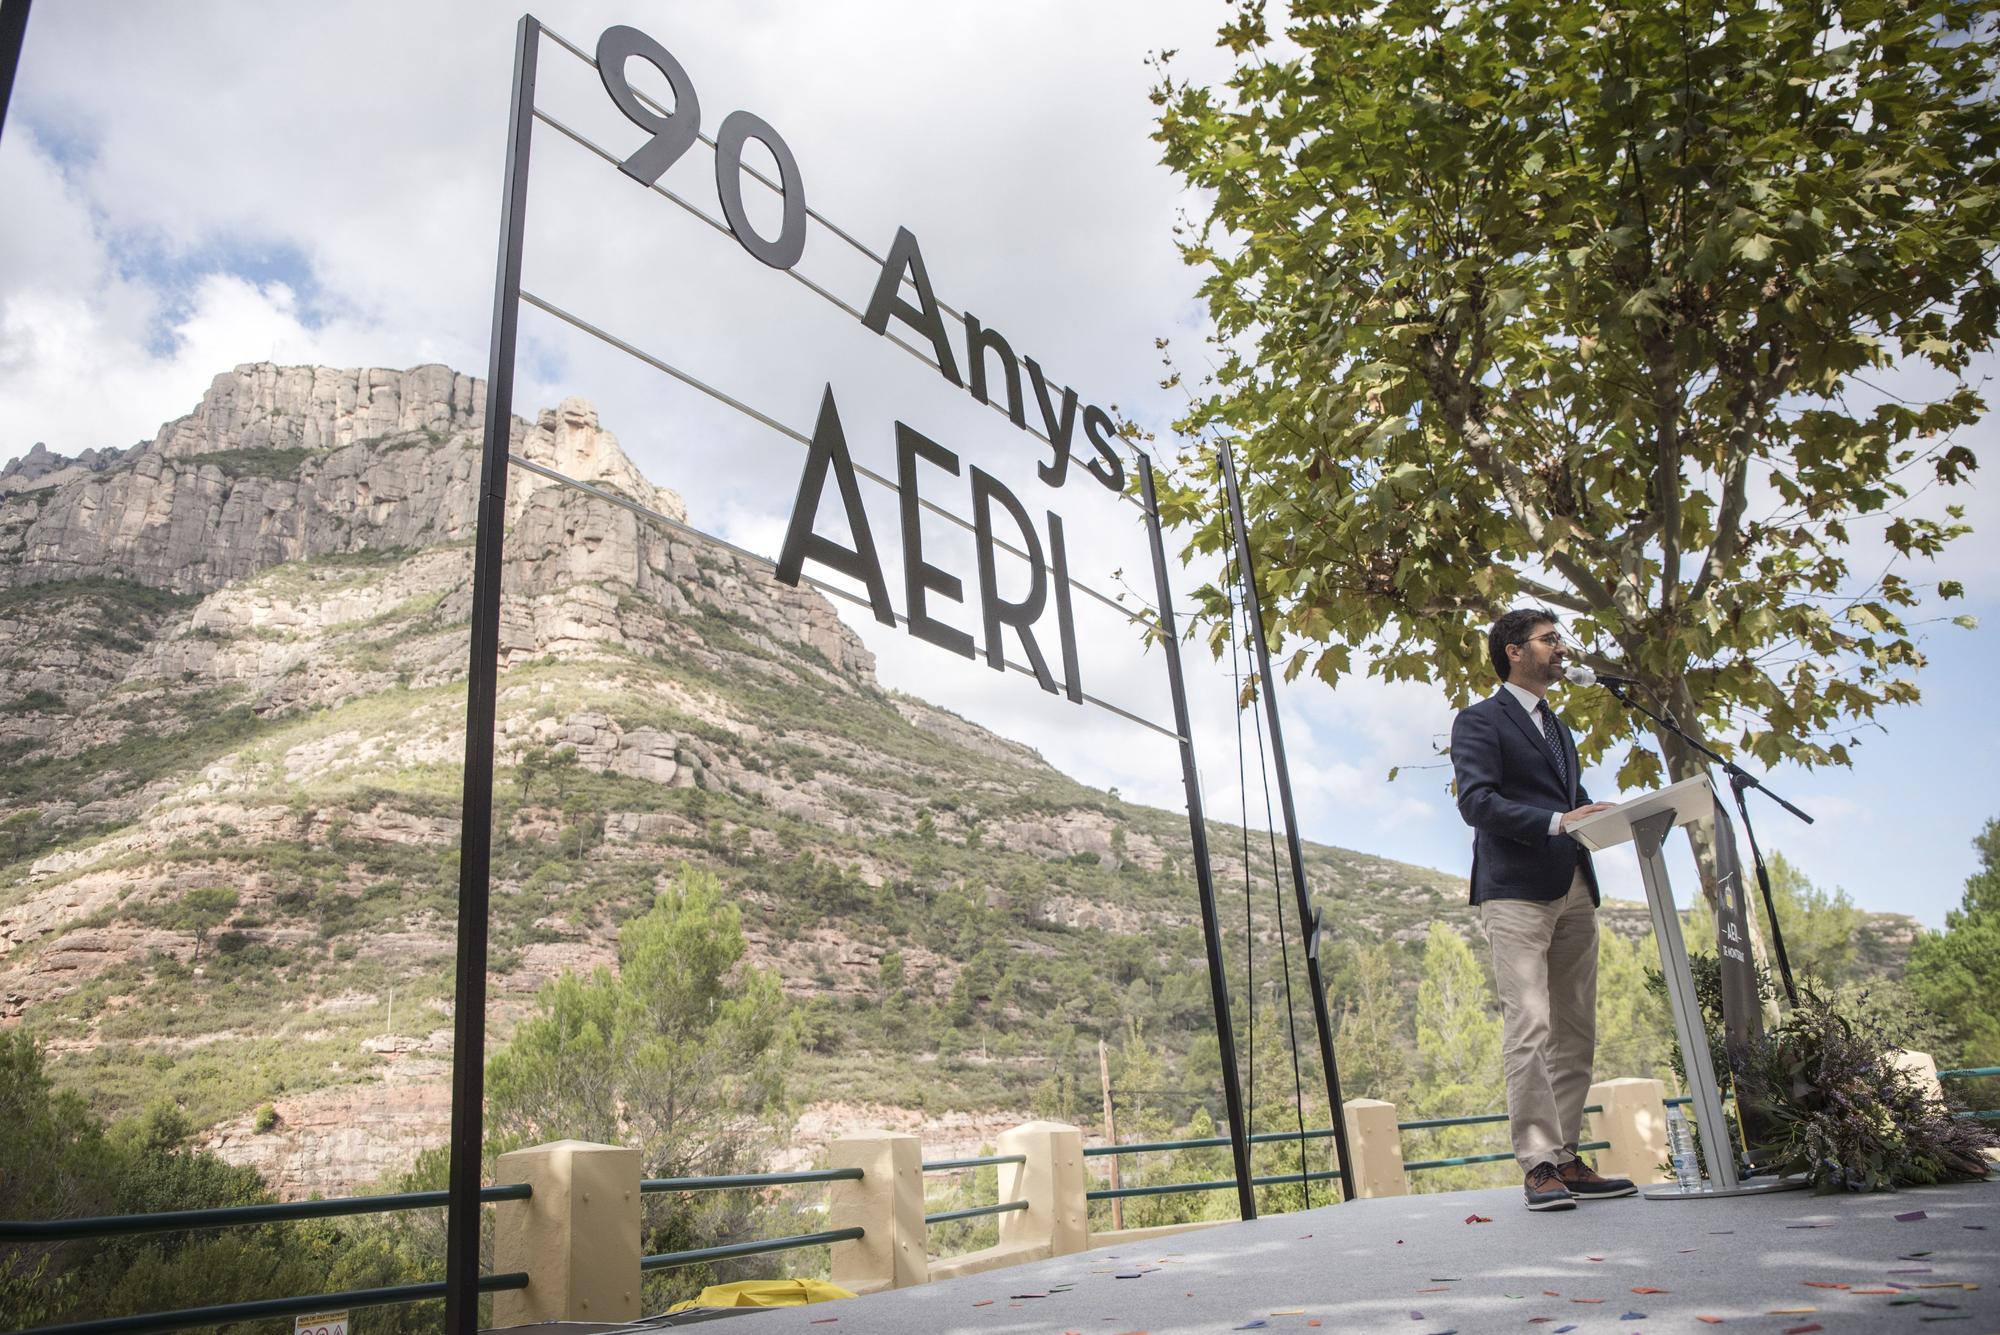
(1680, 1146)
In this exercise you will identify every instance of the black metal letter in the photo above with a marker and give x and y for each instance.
(977, 341)
(1107, 468)
(1065, 614)
(829, 447)
(1060, 428)
(918, 577)
(738, 126)
(888, 301)
(673, 133)
(1022, 616)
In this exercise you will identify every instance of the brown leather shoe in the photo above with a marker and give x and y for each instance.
(1545, 1190)
(1586, 1185)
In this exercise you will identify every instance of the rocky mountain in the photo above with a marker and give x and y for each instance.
(231, 724)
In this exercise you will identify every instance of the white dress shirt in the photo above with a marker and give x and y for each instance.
(1531, 702)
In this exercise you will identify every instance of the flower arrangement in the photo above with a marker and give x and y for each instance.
(1835, 1107)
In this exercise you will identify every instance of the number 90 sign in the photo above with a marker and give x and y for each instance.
(674, 132)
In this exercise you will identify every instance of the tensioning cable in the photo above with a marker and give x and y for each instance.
(1239, 625)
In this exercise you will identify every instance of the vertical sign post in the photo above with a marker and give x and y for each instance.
(1211, 925)
(468, 1053)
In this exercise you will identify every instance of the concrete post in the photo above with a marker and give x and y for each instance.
(577, 1237)
(1375, 1150)
(1051, 1182)
(1923, 1067)
(1634, 1120)
(888, 1202)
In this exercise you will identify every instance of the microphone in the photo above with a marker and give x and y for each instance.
(1579, 675)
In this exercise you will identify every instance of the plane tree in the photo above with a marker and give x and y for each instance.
(1663, 317)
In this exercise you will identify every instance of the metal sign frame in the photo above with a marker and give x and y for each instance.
(673, 134)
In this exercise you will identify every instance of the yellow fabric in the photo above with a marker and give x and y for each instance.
(765, 1293)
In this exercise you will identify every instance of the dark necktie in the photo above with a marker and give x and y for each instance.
(1553, 737)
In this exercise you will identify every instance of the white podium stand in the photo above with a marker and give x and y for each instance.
(1645, 821)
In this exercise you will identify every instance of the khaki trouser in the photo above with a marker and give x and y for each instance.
(1545, 965)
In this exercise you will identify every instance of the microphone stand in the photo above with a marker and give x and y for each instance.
(1740, 780)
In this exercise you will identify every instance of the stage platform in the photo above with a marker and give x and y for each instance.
(1413, 1265)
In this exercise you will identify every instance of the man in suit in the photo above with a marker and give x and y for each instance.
(1518, 788)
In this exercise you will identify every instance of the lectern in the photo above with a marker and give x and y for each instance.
(1646, 821)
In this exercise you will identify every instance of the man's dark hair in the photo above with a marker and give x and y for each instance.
(1516, 627)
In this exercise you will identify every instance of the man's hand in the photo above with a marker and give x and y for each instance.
(1572, 817)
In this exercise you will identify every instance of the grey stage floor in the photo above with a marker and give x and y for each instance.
(1413, 1266)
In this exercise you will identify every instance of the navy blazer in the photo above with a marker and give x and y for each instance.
(1507, 789)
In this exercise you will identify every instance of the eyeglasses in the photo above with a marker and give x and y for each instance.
(1551, 639)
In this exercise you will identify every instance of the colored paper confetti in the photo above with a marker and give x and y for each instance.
(1586, 1300)
(1540, 1320)
(1473, 1219)
(1911, 1216)
(1027, 1295)
(1644, 1289)
(1806, 1329)
(1416, 1315)
(1593, 1258)
(1871, 1290)
(1910, 1270)
(1550, 1293)
(1290, 1311)
(1439, 1289)
(1559, 1330)
(1913, 1256)
(1633, 1316)
(823, 1320)
(1793, 1311)
(1258, 1324)
(1709, 1320)
(1136, 1274)
(984, 1302)
(1444, 1279)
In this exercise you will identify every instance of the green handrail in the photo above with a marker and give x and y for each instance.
(667, 1260)
(1969, 1073)
(1220, 1184)
(974, 1212)
(1206, 1142)
(736, 1180)
(166, 1221)
(274, 1307)
(1468, 1159)
(952, 1165)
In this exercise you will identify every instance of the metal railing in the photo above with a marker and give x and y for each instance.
(973, 1211)
(165, 1221)
(1974, 1073)
(739, 1181)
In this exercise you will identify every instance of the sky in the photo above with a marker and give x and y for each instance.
(194, 186)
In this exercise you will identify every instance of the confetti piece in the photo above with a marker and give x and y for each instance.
(1808, 1225)
(823, 1320)
(1644, 1289)
(1593, 1258)
(1027, 1295)
(1950, 1284)
(1821, 1284)
(1720, 1233)
(1559, 1330)
(984, 1302)
(1444, 1279)
(1513, 1295)
(1909, 1270)
(1793, 1311)
(1709, 1320)
(1976, 1228)
(1550, 1293)
(1871, 1290)
(1913, 1256)
(1633, 1316)
(1136, 1274)
(1258, 1324)
(1312, 1321)
(1586, 1300)
(1686, 1250)
(1304, 1236)
(1474, 1219)
(1439, 1289)
(1806, 1329)
(1416, 1315)
(1955, 1316)
(1911, 1217)
(1540, 1320)
(1290, 1311)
